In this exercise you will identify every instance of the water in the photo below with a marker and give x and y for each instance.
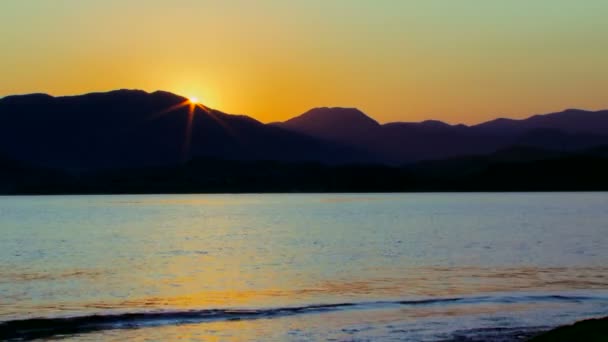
(422, 267)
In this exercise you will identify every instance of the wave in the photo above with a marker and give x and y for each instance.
(33, 328)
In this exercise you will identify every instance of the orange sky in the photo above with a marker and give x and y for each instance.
(465, 61)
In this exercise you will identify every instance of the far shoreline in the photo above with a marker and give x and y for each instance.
(297, 193)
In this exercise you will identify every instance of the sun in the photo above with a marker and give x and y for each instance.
(192, 99)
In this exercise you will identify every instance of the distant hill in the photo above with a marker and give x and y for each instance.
(399, 142)
(572, 121)
(130, 141)
(131, 128)
(134, 129)
(347, 124)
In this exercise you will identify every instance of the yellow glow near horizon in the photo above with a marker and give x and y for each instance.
(193, 99)
(456, 61)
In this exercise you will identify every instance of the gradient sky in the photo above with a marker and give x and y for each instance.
(458, 61)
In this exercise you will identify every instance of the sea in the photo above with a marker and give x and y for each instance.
(301, 267)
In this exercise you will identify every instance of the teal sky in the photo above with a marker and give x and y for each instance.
(458, 61)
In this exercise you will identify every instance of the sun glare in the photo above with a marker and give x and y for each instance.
(193, 106)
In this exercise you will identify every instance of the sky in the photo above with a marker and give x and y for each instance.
(463, 61)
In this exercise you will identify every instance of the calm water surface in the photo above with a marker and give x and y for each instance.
(301, 267)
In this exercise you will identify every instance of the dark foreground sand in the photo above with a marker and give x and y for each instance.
(591, 330)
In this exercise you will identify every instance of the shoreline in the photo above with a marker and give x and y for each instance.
(27, 194)
(588, 330)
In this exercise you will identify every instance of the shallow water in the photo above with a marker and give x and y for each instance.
(300, 267)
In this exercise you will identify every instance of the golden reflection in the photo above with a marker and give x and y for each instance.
(199, 281)
(331, 325)
(205, 291)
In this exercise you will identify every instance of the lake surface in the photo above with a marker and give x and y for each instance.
(421, 267)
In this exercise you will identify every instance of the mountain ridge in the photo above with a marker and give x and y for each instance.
(434, 139)
(170, 94)
(130, 128)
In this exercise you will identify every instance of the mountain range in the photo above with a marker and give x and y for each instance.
(133, 128)
(402, 142)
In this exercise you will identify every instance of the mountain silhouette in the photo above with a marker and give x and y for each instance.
(133, 128)
(132, 141)
(137, 129)
(573, 121)
(399, 142)
(347, 124)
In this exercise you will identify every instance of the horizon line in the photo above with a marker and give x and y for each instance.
(528, 116)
